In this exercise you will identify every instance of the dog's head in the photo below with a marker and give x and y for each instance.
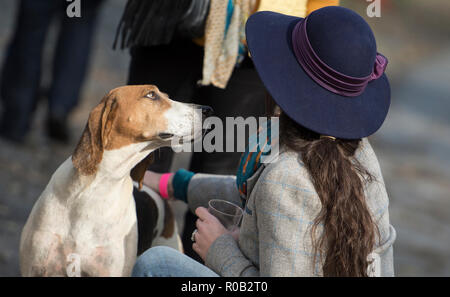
(134, 114)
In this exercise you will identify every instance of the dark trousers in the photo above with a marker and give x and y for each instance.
(175, 69)
(21, 72)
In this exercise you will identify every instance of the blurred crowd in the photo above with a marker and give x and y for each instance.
(20, 86)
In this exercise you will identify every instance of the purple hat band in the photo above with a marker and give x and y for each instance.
(323, 74)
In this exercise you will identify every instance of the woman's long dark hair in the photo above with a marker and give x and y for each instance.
(349, 232)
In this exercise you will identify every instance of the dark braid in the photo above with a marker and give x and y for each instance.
(349, 232)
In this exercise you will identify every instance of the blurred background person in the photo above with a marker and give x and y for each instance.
(21, 72)
(169, 48)
(167, 43)
(195, 51)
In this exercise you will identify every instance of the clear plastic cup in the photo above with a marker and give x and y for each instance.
(229, 214)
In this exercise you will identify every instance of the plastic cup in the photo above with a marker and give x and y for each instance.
(229, 214)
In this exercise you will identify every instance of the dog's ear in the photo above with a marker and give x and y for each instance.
(89, 151)
(138, 172)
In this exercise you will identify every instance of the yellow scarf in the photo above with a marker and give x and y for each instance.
(289, 7)
(221, 50)
(299, 8)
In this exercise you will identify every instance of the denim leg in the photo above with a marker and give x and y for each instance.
(71, 57)
(21, 69)
(163, 261)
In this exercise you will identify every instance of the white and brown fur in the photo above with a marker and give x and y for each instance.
(88, 208)
(156, 221)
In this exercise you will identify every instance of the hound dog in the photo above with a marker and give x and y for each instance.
(87, 212)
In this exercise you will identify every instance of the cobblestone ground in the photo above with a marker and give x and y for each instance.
(412, 146)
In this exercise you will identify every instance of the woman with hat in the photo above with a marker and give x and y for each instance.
(320, 209)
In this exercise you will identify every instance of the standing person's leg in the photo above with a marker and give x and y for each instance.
(70, 65)
(244, 96)
(175, 70)
(21, 71)
(163, 261)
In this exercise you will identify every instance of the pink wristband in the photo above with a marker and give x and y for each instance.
(163, 182)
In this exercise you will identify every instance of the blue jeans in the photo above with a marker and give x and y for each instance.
(163, 261)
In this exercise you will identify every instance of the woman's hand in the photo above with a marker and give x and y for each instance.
(208, 230)
(151, 180)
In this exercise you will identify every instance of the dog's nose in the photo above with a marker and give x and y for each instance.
(206, 111)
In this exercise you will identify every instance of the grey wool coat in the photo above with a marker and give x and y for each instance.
(275, 234)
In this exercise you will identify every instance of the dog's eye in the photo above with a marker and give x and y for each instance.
(152, 95)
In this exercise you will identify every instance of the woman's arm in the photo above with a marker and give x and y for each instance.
(280, 211)
(204, 187)
(276, 227)
(285, 205)
(226, 259)
(196, 189)
(151, 180)
(218, 247)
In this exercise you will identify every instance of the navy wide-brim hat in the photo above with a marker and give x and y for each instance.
(335, 97)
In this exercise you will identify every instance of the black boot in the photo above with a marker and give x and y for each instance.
(57, 129)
